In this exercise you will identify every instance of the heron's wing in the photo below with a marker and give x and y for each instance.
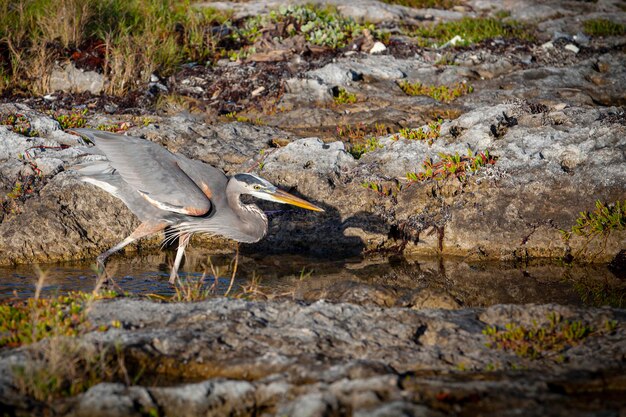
(153, 171)
(212, 181)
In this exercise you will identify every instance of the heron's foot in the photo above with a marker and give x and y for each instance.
(173, 277)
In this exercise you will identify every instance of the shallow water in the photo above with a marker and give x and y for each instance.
(383, 281)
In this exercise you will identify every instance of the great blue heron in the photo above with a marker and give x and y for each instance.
(165, 189)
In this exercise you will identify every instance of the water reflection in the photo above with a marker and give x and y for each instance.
(382, 281)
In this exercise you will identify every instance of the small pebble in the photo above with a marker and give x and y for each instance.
(378, 48)
(547, 45)
(572, 47)
(258, 91)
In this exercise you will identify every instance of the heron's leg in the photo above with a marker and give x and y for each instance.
(183, 240)
(143, 230)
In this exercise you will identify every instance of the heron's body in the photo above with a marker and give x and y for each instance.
(166, 190)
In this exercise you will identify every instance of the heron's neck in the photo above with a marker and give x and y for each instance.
(252, 220)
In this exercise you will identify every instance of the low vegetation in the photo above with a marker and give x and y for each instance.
(542, 341)
(234, 117)
(64, 368)
(130, 40)
(442, 93)
(320, 26)
(452, 166)
(23, 322)
(72, 120)
(603, 27)
(598, 224)
(428, 134)
(361, 138)
(361, 131)
(19, 124)
(359, 149)
(343, 96)
(472, 30)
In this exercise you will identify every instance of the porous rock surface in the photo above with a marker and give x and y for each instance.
(247, 358)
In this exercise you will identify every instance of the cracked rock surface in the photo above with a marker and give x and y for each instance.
(272, 359)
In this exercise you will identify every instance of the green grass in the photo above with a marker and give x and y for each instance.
(441, 93)
(473, 30)
(603, 27)
(135, 38)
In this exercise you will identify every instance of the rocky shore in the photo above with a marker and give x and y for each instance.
(229, 357)
(486, 150)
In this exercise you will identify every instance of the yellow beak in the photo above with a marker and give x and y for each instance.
(284, 197)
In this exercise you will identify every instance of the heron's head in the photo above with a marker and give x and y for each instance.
(263, 189)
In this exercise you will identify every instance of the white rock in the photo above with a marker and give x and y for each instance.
(572, 47)
(547, 45)
(258, 91)
(378, 48)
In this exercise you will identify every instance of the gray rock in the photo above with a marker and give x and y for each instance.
(212, 398)
(319, 359)
(76, 81)
(113, 400)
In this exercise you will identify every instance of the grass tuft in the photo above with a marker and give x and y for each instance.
(473, 30)
(603, 27)
(548, 341)
(441, 93)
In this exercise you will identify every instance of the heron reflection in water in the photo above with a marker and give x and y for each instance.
(168, 190)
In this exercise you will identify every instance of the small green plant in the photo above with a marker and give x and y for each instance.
(538, 342)
(427, 135)
(233, 116)
(359, 149)
(17, 191)
(384, 189)
(452, 166)
(72, 120)
(446, 59)
(360, 131)
(344, 97)
(598, 224)
(25, 322)
(473, 30)
(19, 124)
(115, 127)
(441, 93)
(603, 27)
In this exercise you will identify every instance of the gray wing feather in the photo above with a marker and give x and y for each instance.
(152, 170)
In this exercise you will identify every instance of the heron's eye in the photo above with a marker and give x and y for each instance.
(257, 187)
